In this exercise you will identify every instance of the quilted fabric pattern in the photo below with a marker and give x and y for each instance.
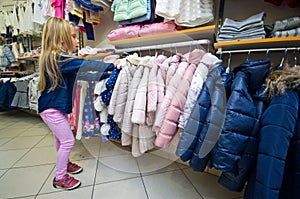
(189, 13)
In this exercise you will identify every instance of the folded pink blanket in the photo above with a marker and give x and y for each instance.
(124, 32)
(157, 28)
(133, 31)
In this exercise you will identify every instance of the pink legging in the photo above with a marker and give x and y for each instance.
(63, 136)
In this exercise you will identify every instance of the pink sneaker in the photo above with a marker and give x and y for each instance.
(73, 168)
(67, 183)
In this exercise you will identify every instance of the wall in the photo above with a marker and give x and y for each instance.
(101, 30)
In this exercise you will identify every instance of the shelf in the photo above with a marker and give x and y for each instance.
(30, 58)
(267, 43)
(204, 32)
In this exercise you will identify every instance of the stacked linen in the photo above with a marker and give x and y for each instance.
(250, 28)
(286, 28)
(187, 13)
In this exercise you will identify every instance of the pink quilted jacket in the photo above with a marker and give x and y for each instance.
(170, 92)
(169, 125)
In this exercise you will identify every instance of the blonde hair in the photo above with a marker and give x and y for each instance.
(56, 34)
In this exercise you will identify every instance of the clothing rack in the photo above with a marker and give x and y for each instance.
(220, 51)
(165, 46)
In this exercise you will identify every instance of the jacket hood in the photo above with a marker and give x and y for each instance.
(147, 61)
(280, 81)
(257, 72)
(133, 59)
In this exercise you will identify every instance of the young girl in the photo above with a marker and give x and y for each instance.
(58, 72)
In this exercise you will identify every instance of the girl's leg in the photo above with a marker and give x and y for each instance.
(56, 142)
(58, 124)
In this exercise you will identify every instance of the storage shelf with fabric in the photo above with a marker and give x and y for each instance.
(203, 32)
(267, 43)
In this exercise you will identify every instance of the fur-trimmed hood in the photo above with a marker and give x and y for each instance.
(280, 81)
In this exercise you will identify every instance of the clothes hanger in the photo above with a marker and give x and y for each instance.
(248, 55)
(229, 60)
(284, 56)
(267, 53)
(295, 59)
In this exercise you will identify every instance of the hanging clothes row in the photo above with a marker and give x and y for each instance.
(235, 128)
(19, 92)
(144, 96)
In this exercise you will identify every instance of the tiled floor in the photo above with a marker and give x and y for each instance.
(27, 165)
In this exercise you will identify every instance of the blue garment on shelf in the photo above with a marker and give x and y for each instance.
(88, 5)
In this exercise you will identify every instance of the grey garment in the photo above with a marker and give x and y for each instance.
(246, 31)
(287, 24)
(251, 28)
(21, 98)
(242, 38)
(243, 34)
(244, 28)
(287, 33)
(242, 24)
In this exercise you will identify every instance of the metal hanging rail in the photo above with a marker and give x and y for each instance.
(219, 51)
(165, 46)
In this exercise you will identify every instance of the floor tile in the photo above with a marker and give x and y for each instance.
(10, 157)
(21, 143)
(23, 181)
(46, 141)
(28, 197)
(2, 171)
(112, 149)
(161, 186)
(125, 189)
(86, 176)
(4, 140)
(27, 152)
(150, 164)
(23, 125)
(123, 163)
(4, 123)
(80, 193)
(38, 156)
(10, 132)
(93, 149)
(35, 131)
(108, 174)
(208, 186)
(79, 152)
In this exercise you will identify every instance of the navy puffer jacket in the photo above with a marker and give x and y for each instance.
(278, 127)
(291, 182)
(242, 116)
(236, 182)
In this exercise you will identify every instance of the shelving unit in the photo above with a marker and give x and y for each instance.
(204, 32)
(258, 44)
